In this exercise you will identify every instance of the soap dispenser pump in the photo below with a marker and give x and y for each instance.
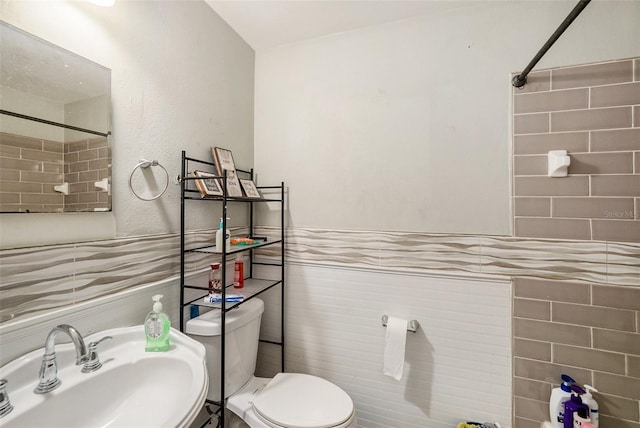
(156, 327)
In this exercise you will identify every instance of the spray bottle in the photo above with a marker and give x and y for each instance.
(574, 407)
(556, 403)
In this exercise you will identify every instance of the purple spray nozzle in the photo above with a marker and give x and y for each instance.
(577, 389)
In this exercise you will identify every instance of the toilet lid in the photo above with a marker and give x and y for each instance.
(297, 400)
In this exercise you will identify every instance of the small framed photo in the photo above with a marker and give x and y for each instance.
(250, 189)
(208, 184)
(224, 159)
(224, 162)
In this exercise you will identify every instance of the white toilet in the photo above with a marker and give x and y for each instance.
(288, 400)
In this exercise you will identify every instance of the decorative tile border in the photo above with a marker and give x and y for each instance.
(40, 279)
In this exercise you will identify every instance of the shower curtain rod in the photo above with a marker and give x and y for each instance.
(520, 80)
(49, 122)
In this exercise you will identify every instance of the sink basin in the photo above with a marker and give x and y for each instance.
(133, 388)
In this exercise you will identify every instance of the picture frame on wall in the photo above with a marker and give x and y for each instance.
(250, 189)
(208, 184)
(224, 162)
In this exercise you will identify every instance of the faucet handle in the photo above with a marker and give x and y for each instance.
(93, 362)
(5, 404)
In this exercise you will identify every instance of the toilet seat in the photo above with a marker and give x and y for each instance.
(293, 400)
(296, 400)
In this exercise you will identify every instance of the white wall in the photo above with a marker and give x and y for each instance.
(405, 126)
(457, 364)
(181, 79)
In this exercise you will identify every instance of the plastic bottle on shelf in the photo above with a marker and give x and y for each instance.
(574, 406)
(215, 279)
(588, 399)
(238, 272)
(556, 403)
(220, 241)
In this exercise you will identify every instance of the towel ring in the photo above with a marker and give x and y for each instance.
(143, 163)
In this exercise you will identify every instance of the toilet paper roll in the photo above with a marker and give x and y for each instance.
(394, 346)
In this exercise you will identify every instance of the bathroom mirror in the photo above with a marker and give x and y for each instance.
(55, 144)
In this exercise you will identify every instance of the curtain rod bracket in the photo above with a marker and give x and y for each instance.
(519, 81)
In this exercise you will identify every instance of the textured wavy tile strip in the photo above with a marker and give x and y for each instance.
(37, 279)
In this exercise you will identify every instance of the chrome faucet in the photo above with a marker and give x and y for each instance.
(49, 368)
(5, 404)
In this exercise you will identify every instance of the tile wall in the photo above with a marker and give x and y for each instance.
(85, 162)
(30, 168)
(584, 327)
(589, 331)
(592, 112)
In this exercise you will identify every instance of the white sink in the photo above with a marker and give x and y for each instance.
(133, 388)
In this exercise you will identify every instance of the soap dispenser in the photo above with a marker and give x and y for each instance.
(156, 327)
(588, 399)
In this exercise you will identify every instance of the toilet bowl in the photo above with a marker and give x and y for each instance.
(288, 400)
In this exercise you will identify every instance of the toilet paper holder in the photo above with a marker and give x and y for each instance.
(412, 325)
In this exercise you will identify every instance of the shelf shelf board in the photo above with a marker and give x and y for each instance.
(229, 198)
(234, 248)
(252, 288)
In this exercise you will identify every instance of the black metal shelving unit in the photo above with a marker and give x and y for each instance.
(252, 286)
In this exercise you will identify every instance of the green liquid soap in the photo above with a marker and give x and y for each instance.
(156, 327)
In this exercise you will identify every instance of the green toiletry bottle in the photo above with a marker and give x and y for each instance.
(156, 327)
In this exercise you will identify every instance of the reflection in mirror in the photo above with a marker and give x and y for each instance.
(55, 145)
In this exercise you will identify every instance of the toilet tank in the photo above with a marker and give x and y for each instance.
(241, 345)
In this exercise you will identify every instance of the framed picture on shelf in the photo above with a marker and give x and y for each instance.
(250, 189)
(224, 162)
(224, 159)
(208, 184)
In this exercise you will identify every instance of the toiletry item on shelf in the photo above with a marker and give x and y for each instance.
(574, 406)
(219, 237)
(194, 311)
(215, 279)
(217, 298)
(238, 272)
(242, 241)
(581, 420)
(588, 399)
(156, 327)
(556, 403)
